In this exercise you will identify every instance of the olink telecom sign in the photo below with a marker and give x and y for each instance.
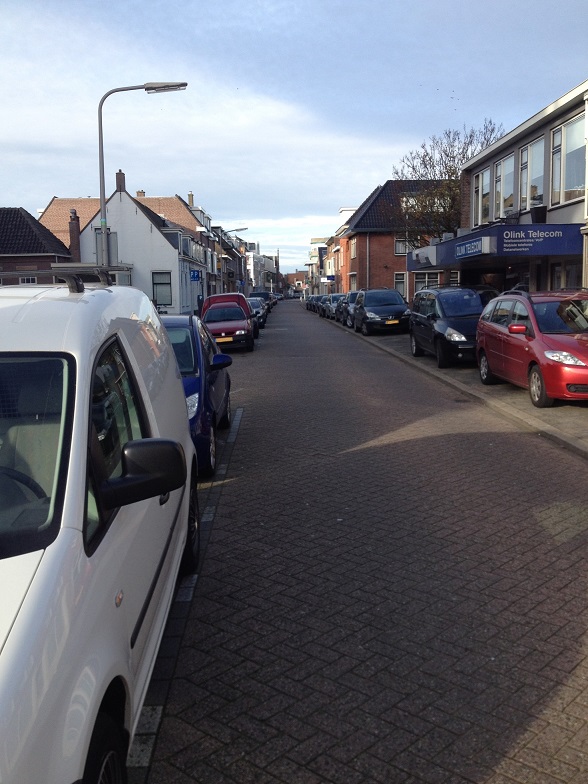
(540, 240)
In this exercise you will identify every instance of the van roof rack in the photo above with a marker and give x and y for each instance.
(74, 275)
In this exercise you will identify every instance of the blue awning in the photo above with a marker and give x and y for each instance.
(499, 242)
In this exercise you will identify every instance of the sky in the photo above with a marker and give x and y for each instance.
(294, 110)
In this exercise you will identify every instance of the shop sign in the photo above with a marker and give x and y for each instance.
(476, 247)
(541, 240)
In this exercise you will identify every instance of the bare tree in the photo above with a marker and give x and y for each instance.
(436, 207)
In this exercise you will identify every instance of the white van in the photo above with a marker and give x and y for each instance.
(98, 507)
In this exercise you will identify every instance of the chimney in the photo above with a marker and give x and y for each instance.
(140, 194)
(74, 237)
(191, 199)
(120, 181)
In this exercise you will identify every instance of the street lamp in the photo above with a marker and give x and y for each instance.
(149, 87)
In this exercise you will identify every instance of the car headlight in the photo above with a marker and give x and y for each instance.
(454, 336)
(192, 405)
(371, 315)
(240, 332)
(564, 357)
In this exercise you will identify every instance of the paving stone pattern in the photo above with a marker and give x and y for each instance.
(394, 589)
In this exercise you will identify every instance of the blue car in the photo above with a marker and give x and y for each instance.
(207, 384)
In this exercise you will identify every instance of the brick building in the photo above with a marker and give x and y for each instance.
(373, 243)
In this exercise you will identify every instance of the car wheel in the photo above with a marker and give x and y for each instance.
(486, 375)
(441, 353)
(415, 349)
(365, 329)
(105, 763)
(225, 420)
(355, 327)
(191, 554)
(348, 322)
(539, 397)
(250, 345)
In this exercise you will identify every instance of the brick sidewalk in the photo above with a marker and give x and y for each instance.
(394, 588)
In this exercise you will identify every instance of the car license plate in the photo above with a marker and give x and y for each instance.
(223, 340)
(392, 321)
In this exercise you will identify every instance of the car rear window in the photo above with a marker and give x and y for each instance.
(34, 445)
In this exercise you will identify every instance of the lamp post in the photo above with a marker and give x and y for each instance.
(149, 87)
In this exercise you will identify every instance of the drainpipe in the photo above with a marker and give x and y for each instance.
(367, 266)
(584, 228)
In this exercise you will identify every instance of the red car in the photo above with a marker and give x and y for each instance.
(230, 325)
(538, 341)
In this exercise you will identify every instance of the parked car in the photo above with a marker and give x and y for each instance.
(231, 297)
(382, 310)
(235, 297)
(538, 341)
(320, 305)
(266, 296)
(311, 302)
(260, 310)
(331, 304)
(347, 309)
(339, 305)
(443, 322)
(98, 508)
(230, 325)
(207, 384)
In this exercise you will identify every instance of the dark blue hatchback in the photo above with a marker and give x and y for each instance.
(207, 384)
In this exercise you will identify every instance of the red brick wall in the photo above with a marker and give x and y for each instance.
(383, 263)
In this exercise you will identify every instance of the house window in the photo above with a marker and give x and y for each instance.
(28, 279)
(423, 280)
(568, 161)
(503, 187)
(162, 294)
(402, 247)
(400, 283)
(531, 175)
(353, 247)
(482, 197)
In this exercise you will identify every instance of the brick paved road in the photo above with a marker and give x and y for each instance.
(394, 589)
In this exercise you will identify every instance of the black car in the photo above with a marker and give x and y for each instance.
(260, 310)
(443, 322)
(381, 310)
(207, 384)
(347, 308)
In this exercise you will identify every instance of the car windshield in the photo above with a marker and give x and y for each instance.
(214, 315)
(387, 297)
(181, 341)
(33, 391)
(562, 316)
(461, 303)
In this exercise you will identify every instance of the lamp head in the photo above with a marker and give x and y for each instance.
(164, 87)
